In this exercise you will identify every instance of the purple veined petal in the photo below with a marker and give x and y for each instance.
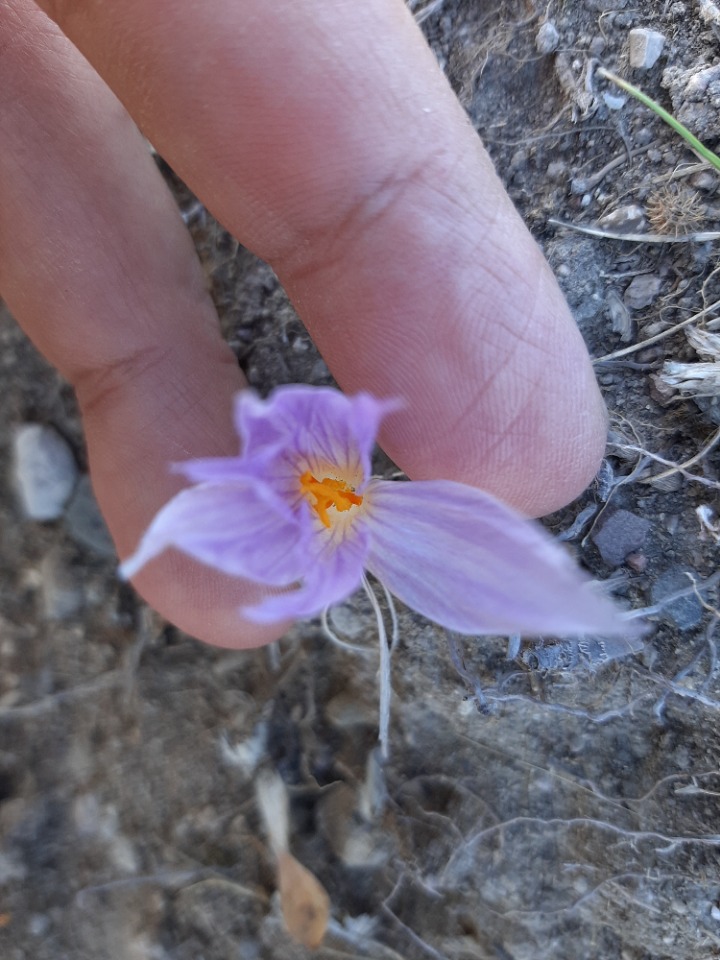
(255, 424)
(239, 528)
(313, 422)
(334, 571)
(227, 469)
(211, 469)
(468, 562)
(295, 425)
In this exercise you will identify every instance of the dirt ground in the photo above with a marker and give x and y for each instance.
(547, 801)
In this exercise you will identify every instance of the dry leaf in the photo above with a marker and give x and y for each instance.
(305, 903)
(690, 379)
(705, 343)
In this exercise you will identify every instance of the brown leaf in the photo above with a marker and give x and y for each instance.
(305, 903)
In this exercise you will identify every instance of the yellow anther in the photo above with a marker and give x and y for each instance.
(327, 493)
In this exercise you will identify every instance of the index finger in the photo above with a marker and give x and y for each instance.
(326, 138)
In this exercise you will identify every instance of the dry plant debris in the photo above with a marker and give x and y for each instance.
(693, 379)
(675, 209)
(304, 900)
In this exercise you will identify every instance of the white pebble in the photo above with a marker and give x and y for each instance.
(547, 38)
(709, 12)
(645, 47)
(613, 101)
(45, 471)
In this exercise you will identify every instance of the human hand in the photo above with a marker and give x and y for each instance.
(324, 136)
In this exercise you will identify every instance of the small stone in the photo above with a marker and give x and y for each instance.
(347, 711)
(645, 47)
(38, 924)
(61, 594)
(637, 561)
(685, 612)
(518, 161)
(704, 180)
(85, 523)
(621, 534)
(654, 328)
(12, 869)
(709, 12)
(630, 218)
(642, 291)
(699, 81)
(45, 471)
(614, 101)
(547, 38)
(620, 319)
(643, 136)
(597, 46)
(557, 170)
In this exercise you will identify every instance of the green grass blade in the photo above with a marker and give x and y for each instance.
(678, 127)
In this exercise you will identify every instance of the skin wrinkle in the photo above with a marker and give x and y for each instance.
(500, 438)
(399, 181)
(174, 399)
(488, 327)
(436, 339)
(526, 389)
(363, 215)
(12, 34)
(354, 228)
(527, 334)
(95, 384)
(122, 353)
(435, 175)
(492, 439)
(497, 367)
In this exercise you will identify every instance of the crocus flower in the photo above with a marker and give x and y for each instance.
(299, 512)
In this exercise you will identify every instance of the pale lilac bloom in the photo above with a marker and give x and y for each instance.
(298, 509)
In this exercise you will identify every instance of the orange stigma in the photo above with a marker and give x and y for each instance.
(328, 493)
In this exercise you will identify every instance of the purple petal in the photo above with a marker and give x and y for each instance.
(211, 469)
(315, 422)
(466, 561)
(334, 570)
(239, 528)
(296, 424)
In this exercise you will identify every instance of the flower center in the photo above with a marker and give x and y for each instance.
(327, 493)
